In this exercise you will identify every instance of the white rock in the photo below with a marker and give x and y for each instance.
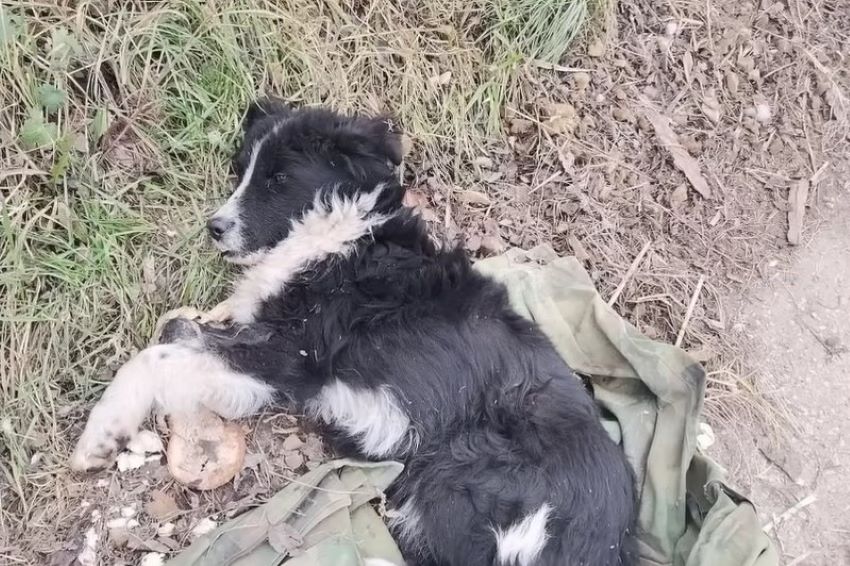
(705, 437)
(121, 523)
(128, 512)
(88, 556)
(145, 442)
(130, 461)
(203, 527)
(165, 530)
(153, 559)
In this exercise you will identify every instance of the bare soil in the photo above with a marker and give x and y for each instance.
(797, 330)
(755, 93)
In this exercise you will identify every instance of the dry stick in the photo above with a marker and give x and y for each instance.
(790, 512)
(690, 311)
(632, 268)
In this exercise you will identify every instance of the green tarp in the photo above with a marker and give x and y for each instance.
(652, 393)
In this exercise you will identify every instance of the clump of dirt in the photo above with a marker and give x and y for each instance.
(666, 159)
(142, 509)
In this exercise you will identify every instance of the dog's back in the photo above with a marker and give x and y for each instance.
(506, 461)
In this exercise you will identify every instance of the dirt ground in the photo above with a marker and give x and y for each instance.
(665, 154)
(798, 333)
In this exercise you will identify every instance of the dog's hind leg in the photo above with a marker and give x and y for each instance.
(177, 377)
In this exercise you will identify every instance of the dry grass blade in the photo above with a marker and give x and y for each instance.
(797, 197)
(118, 121)
(681, 158)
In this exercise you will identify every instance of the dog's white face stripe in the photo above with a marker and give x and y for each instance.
(521, 543)
(327, 229)
(231, 211)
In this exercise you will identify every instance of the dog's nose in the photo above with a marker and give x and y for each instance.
(218, 226)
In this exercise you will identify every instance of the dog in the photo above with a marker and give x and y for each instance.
(350, 313)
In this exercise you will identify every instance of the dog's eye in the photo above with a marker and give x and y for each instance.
(279, 178)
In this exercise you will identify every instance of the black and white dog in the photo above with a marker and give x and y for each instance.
(347, 310)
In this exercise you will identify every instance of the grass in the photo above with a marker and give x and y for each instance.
(117, 122)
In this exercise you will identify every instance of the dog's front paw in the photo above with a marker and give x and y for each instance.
(96, 452)
(222, 312)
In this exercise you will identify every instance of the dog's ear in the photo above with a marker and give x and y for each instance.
(380, 138)
(263, 107)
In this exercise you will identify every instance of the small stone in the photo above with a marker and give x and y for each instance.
(292, 442)
(763, 112)
(623, 114)
(581, 80)
(130, 461)
(596, 49)
(204, 526)
(732, 83)
(293, 460)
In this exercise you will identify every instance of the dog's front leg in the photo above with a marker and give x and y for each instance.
(177, 377)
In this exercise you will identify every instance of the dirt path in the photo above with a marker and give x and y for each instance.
(799, 330)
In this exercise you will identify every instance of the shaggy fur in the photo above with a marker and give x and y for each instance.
(395, 346)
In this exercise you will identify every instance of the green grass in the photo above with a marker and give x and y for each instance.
(116, 128)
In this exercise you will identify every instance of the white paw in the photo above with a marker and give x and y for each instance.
(222, 312)
(96, 451)
(116, 418)
(189, 313)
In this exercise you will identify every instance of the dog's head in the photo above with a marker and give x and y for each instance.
(289, 158)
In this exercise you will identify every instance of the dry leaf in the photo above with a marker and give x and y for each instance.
(414, 199)
(442, 79)
(473, 197)
(293, 460)
(681, 158)
(732, 82)
(521, 126)
(473, 243)
(162, 506)
(578, 248)
(623, 114)
(406, 144)
(285, 539)
(61, 558)
(678, 197)
(563, 118)
(688, 64)
(596, 49)
(711, 106)
(492, 244)
(483, 161)
(797, 197)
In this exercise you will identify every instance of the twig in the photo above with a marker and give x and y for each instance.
(690, 311)
(790, 512)
(799, 559)
(632, 268)
(560, 68)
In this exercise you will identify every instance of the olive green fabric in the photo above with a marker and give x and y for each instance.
(652, 394)
(322, 519)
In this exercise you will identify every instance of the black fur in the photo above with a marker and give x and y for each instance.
(503, 425)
